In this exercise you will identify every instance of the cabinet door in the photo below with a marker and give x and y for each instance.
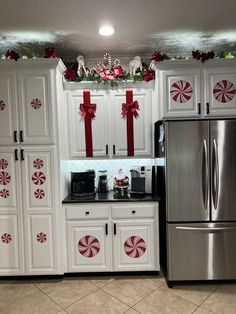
(134, 245)
(8, 116)
(10, 192)
(88, 246)
(179, 93)
(11, 245)
(39, 179)
(142, 124)
(220, 89)
(36, 107)
(40, 248)
(100, 125)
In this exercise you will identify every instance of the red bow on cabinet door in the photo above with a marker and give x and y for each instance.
(129, 110)
(88, 112)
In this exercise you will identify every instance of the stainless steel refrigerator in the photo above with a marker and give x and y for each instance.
(198, 208)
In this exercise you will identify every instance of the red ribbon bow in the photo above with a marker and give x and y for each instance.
(88, 110)
(130, 107)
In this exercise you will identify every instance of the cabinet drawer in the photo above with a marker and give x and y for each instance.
(86, 212)
(136, 211)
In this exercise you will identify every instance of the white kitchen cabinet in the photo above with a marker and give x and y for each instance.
(190, 89)
(109, 128)
(121, 237)
(26, 107)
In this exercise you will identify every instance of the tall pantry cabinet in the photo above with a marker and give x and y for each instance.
(30, 94)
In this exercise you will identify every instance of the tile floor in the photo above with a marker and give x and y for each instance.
(114, 295)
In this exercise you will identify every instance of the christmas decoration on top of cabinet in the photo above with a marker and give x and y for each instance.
(12, 55)
(88, 112)
(50, 53)
(129, 110)
(203, 56)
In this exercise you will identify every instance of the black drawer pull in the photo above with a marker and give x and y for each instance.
(199, 108)
(16, 154)
(114, 228)
(106, 149)
(22, 155)
(106, 227)
(207, 108)
(15, 136)
(114, 149)
(21, 137)
(86, 213)
(133, 212)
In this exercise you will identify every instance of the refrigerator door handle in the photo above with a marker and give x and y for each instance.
(215, 165)
(207, 229)
(205, 174)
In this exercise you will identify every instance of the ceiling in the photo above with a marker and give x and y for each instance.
(175, 27)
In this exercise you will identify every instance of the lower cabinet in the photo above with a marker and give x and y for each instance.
(112, 238)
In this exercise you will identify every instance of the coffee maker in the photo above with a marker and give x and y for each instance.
(82, 183)
(142, 180)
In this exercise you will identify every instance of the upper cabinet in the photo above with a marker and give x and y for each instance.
(191, 89)
(27, 101)
(111, 132)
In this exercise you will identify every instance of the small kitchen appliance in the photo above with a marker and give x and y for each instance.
(82, 183)
(142, 179)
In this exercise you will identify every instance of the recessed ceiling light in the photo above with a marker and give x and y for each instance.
(106, 30)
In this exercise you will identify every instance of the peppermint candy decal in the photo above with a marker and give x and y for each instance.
(6, 238)
(38, 178)
(2, 105)
(36, 103)
(88, 246)
(3, 163)
(181, 91)
(4, 193)
(38, 163)
(41, 237)
(224, 91)
(134, 247)
(4, 178)
(39, 193)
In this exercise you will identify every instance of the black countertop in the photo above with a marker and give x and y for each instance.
(110, 197)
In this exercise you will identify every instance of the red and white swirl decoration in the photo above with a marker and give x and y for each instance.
(181, 91)
(41, 237)
(6, 238)
(4, 178)
(4, 193)
(39, 194)
(2, 105)
(38, 163)
(224, 91)
(134, 246)
(38, 178)
(36, 103)
(3, 163)
(88, 246)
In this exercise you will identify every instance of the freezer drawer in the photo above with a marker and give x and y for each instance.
(201, 251)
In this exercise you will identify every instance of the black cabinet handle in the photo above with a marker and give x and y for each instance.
(22, 155)
(21, 137)
(133, 212)
(106, 228)
(87, 213)
(114, 228)
(199, 108)
(207, 107)
(15, 136)
(16, 154)
(106, 149)
(114, 149)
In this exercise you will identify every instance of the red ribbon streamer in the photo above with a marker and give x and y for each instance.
(88, 112)
(129, 109)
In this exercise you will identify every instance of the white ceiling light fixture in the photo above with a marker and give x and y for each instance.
(106, 30)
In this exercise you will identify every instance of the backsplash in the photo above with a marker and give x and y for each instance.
(112, 166)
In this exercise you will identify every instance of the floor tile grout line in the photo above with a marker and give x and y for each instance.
(207, 298)
(50, 298)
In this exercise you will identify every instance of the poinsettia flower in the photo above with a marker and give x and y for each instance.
(118, 71)
(149, 75)
(70, 75)
(50, 53)
(12, 55)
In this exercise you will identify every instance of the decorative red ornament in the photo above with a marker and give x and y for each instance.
(203, 56)
(181, 91)
(88, 112)
(158, 57)
(88, 246)
(38, 178)
(70, 75)
(41, 237)
(2, 105)
(12, 55)
(38, 163)
(3, 163)
(6, 238)
(4, 193)
(149, 75)
(50, 53)
(5, 178)
(36, 103)
(39, 194)
(224, 91)
(135, 247)
(129, 109)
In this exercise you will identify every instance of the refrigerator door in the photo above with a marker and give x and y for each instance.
(223, 170)
(187, 170)
(201, 251)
